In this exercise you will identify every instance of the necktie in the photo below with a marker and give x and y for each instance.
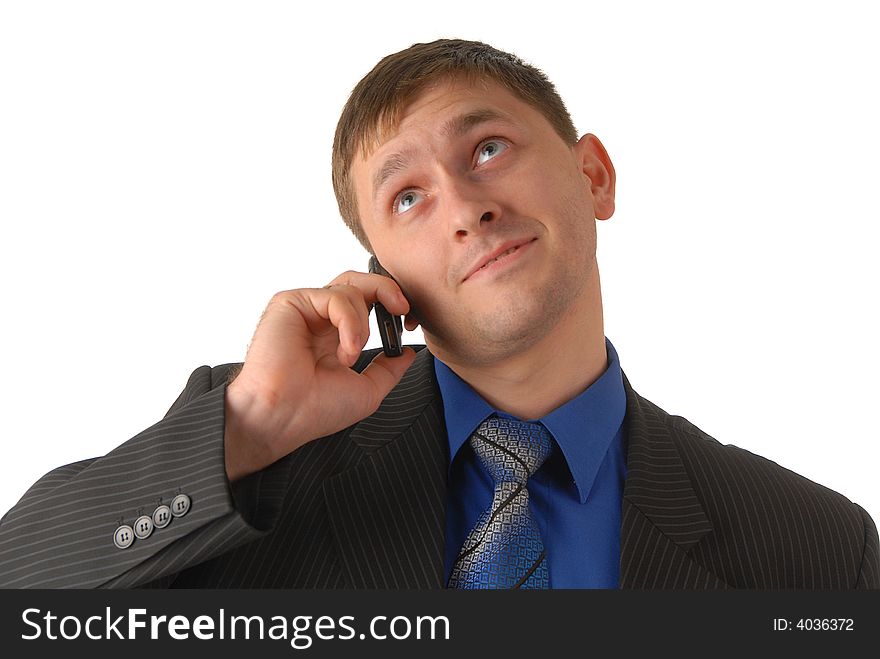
(504, 549)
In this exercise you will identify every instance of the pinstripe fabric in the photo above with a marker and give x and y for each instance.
(365, 508)
(699, 514)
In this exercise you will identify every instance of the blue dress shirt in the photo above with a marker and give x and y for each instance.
(575, 496)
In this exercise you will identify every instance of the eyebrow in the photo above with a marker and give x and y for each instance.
(453, 129)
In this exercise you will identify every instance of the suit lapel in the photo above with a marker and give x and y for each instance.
(388, 512)
(661, 515)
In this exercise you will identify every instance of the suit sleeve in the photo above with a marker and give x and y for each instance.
(61, 533)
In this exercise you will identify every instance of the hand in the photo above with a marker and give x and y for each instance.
(296, 383)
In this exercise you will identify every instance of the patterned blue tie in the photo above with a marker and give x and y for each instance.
(504, 549)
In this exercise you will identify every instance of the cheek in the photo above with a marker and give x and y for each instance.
(421, 269)
(570, 197)
(540, 194)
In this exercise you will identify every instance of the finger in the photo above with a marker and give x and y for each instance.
(343, 314)
(376, 288)
(384, 373)
(359, 303)
(332, 312)
(360, 306)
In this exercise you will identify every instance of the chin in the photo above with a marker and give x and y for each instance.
(496, 327)
(488, 336)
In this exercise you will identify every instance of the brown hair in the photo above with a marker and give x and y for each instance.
(378, 100)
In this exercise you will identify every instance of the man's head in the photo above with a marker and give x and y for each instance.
(452, 152)
(375, 105)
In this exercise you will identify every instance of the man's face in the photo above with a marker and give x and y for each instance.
(472, 170)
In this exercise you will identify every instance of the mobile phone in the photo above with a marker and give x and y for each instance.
(390, 327)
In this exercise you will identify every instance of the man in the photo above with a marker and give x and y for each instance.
(511, 452)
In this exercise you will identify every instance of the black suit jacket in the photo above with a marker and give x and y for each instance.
(365, 508)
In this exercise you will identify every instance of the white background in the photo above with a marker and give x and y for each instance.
(165, 168)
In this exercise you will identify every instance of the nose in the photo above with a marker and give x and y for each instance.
(468, 207)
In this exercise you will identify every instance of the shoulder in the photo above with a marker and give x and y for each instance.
(726, 471)
(782, 528)
(730, 468)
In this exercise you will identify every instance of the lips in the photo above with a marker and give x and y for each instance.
(502, 250)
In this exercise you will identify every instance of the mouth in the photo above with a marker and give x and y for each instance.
(502, 252)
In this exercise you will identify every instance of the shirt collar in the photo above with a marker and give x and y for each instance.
(583, 427)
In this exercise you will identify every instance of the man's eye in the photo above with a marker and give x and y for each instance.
(406, 200)
(489, 150)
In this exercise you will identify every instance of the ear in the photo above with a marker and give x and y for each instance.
(410, 322)
(597, 168)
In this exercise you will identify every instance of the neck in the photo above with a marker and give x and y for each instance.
(563, 363)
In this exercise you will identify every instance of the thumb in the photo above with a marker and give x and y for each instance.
(385, 372)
